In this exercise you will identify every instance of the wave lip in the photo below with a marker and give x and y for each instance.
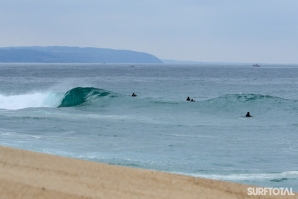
(81, 95)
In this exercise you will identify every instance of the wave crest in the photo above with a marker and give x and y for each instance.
(246, 97)
(82, 95)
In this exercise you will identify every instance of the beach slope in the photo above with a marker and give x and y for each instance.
(26, 174)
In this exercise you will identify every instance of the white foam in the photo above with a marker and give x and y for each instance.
(248, 177)
(15, 102)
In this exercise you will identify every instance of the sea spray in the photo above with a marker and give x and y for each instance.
(21, 101)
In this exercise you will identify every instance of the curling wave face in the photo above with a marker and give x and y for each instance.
(75, 97)
(82, 95)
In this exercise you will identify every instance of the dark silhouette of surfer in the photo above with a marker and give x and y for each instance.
(133, 95)
(190, 100)
(248, 115)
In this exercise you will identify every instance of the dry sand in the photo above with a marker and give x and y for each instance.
(31, 175)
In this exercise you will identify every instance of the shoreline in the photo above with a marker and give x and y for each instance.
(27, 174)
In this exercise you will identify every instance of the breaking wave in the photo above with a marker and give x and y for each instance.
(83, 95)
(40, 99)
(74, 97)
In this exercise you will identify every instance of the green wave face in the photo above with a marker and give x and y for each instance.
(82, 95)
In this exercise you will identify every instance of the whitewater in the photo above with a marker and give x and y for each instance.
(86, 111)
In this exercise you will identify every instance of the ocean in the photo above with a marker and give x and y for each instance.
(86, 111)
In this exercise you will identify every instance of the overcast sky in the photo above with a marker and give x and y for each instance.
(254, 31)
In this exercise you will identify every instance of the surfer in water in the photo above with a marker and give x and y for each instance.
(190, 100)
(133, 95)
(248, 115)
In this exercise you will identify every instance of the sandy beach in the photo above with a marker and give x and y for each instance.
(26, 174)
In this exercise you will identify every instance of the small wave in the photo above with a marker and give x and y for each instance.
(279, 179)
(245, 98)
(246, 102)
(274, 177)
(82, 95)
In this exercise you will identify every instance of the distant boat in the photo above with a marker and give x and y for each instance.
(256, 65)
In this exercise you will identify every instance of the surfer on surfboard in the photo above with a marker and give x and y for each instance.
(133, 95)
(190, 100)
(248, 115)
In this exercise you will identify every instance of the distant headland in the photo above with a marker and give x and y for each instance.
(59, 54)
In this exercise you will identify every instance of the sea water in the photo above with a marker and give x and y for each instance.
(86, 111)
